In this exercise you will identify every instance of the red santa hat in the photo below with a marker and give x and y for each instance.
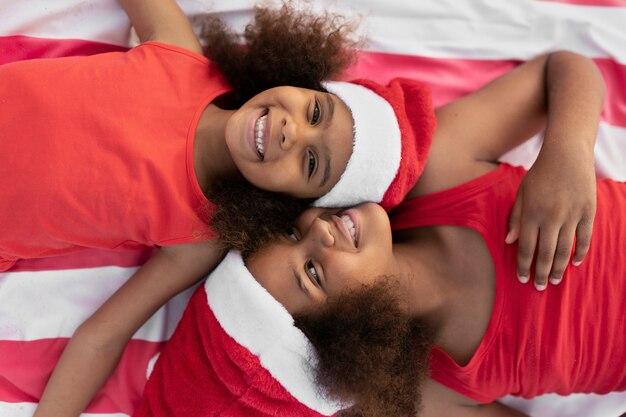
(393, 130)
(237, 353)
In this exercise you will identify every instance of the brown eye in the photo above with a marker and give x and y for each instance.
(310, 269)
(293, 235)
(312, 163)
(316, 113)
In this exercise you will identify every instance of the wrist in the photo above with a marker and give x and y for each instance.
(570, 147)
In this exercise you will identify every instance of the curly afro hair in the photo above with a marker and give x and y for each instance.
(370, 351)
(246, 217)
(285, 46)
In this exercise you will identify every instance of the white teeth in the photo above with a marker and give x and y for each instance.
(258, 132)
(348, 221)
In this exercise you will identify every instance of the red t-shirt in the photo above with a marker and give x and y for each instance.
(98, 151)
(569, 338)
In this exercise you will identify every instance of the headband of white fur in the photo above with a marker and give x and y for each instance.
(376, 151)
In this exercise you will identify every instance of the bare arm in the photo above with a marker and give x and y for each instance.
(163, 21)
(441, 401)
(96, 346)
(562, 92)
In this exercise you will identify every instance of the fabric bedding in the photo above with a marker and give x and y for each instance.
(453, 46)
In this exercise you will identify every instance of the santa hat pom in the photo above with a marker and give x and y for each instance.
(393, 129)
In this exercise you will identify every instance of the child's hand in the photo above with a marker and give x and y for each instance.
(556, 202)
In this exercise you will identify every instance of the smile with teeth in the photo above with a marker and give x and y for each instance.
(348, 221)
(258, 135)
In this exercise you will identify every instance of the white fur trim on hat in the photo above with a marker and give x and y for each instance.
(251, 316)
(376, 150)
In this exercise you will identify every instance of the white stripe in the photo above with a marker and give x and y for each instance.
(573, 405)
(28, 409)
(486, 29)
(96, 20)
(610, 152)
(436, 28)
(251, 316)
(99, 20)
(591, 31)
(497, 30)
(50, 304)
(477, 29)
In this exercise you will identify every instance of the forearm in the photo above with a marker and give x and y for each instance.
(82, 370)
(94, 350)
(575, 94)
(161, 20)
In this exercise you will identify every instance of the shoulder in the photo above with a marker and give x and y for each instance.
(196, 255)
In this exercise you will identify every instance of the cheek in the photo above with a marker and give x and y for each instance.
(347, 273)
(280, 175)
(366, 266)
(232, 132)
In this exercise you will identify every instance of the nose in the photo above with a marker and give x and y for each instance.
(289, 133)
(293, 134)
(319, 234)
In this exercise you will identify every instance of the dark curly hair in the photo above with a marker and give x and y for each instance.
(284, 46)
(246, 217)
(370, 351)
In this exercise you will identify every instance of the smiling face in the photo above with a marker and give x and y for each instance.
(327, 253)
(291, 140)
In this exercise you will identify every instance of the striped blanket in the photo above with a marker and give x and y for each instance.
(455, 46)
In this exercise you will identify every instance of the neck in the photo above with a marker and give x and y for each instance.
(425, 292)
(212, 159)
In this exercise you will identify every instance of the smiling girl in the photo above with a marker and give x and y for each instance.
(435, 317)
(147, 135)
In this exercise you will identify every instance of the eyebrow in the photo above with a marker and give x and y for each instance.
(331, 108)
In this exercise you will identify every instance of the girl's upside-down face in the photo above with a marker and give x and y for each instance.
(327, 252)
(291, 140)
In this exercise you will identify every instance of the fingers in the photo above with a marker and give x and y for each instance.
(514, 221)
(548, 239)
(562, 254)
(583, 239)
(553, 252)
(526, 249)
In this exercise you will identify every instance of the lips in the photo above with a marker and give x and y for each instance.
(348, 221)
(348, 226)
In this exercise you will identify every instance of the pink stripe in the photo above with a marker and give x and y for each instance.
(614, 110)
(26, 366)
(15, 48)
(449, 78)
(599, 3)
(453, 78)
(88, 258)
